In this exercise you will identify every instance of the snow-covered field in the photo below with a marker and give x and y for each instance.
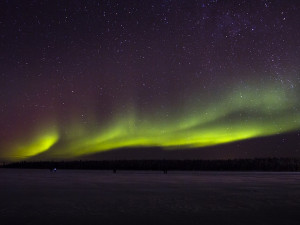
(101, 197)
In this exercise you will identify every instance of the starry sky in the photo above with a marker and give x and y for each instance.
(185, 78)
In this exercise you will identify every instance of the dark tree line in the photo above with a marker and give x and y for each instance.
(266, 164)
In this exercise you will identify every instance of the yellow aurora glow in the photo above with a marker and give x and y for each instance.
(237, 116)
(39, 143)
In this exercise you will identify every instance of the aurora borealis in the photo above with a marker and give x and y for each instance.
(85, 77)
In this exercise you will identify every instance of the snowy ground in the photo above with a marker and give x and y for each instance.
(101, 197)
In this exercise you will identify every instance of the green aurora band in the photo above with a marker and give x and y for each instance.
(237, 115)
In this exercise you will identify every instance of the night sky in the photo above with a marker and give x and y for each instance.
(205, 78)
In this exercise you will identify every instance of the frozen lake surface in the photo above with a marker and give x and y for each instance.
(101, 197)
